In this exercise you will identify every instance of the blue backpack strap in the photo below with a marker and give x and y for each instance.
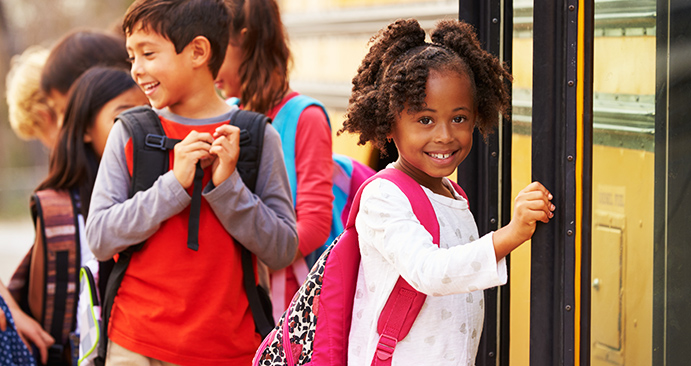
(233, 101)
(286, 123)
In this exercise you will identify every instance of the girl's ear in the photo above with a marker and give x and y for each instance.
(200, 50)
(87, 136)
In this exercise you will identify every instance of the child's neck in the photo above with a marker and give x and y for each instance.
(201, 102)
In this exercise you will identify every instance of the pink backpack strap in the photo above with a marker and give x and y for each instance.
(459, 189)
(404, 303)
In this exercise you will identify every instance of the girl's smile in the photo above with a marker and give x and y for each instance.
(432, 142)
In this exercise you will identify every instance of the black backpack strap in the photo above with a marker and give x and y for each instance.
(55, 209)
(252, 127)
(149, 147)
(149, 161)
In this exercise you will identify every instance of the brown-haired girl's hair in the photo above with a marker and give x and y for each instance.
(393, 75)
(78, 51)
(74, 163)
(266, 56)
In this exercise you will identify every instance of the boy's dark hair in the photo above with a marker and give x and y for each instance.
(180, 21)
(78, 51)
(394, 75)
(266, 56)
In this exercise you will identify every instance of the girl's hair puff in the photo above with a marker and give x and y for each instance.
(393, 76)
(491, 77)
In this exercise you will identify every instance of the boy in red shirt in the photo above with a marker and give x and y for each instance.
(174, 304)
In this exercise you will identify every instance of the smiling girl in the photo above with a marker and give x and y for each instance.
(428, 98)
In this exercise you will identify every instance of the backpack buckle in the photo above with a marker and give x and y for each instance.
(385, 347)
(155, 141)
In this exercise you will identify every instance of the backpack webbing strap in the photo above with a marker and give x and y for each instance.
(261, 311)
(114, 281)
(195, 209)
(61, 253)
(252, 125)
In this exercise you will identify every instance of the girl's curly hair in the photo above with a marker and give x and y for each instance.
(393, 75)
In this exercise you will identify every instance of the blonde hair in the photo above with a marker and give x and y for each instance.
(28, 104)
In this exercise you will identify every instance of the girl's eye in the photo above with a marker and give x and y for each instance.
(459, 119)
(130, 60)
(425, 120)
(148, 54)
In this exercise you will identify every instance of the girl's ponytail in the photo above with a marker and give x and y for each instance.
(369, 101)
(266, 56)
(491, 78)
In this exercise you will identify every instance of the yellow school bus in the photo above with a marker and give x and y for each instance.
(600, 101)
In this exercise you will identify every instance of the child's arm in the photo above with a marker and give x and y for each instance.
(28, 329)
(532, 204)
(263, 221)
(314, 169)
(115, 221)
(393, 242)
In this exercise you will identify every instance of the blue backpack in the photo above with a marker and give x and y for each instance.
(348, 173)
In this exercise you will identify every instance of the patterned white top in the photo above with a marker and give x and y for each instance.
(453, 275)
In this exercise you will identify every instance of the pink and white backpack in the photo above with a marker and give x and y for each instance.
(314, 329)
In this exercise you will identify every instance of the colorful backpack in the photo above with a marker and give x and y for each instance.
(56, 213)
(314, 329)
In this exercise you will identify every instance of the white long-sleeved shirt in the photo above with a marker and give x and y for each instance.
(393, 243)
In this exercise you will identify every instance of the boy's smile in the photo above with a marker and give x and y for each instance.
(431, 143)
(158, 69)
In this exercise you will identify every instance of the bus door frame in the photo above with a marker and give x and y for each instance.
(488, 165)
(562, 161)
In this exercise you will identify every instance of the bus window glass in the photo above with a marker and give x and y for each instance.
(522, 70)
(623, 182)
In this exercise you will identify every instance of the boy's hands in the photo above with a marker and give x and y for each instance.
(222, 150)
(226, 149)
(532, 204)
(195, 147)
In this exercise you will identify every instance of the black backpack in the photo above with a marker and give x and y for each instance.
(150, 160)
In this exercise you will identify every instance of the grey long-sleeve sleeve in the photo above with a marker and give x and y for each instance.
(263, 221)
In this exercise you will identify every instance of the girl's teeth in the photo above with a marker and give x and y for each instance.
(440, 156)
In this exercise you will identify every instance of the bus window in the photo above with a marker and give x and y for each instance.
(623, 182)
(522, 70)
